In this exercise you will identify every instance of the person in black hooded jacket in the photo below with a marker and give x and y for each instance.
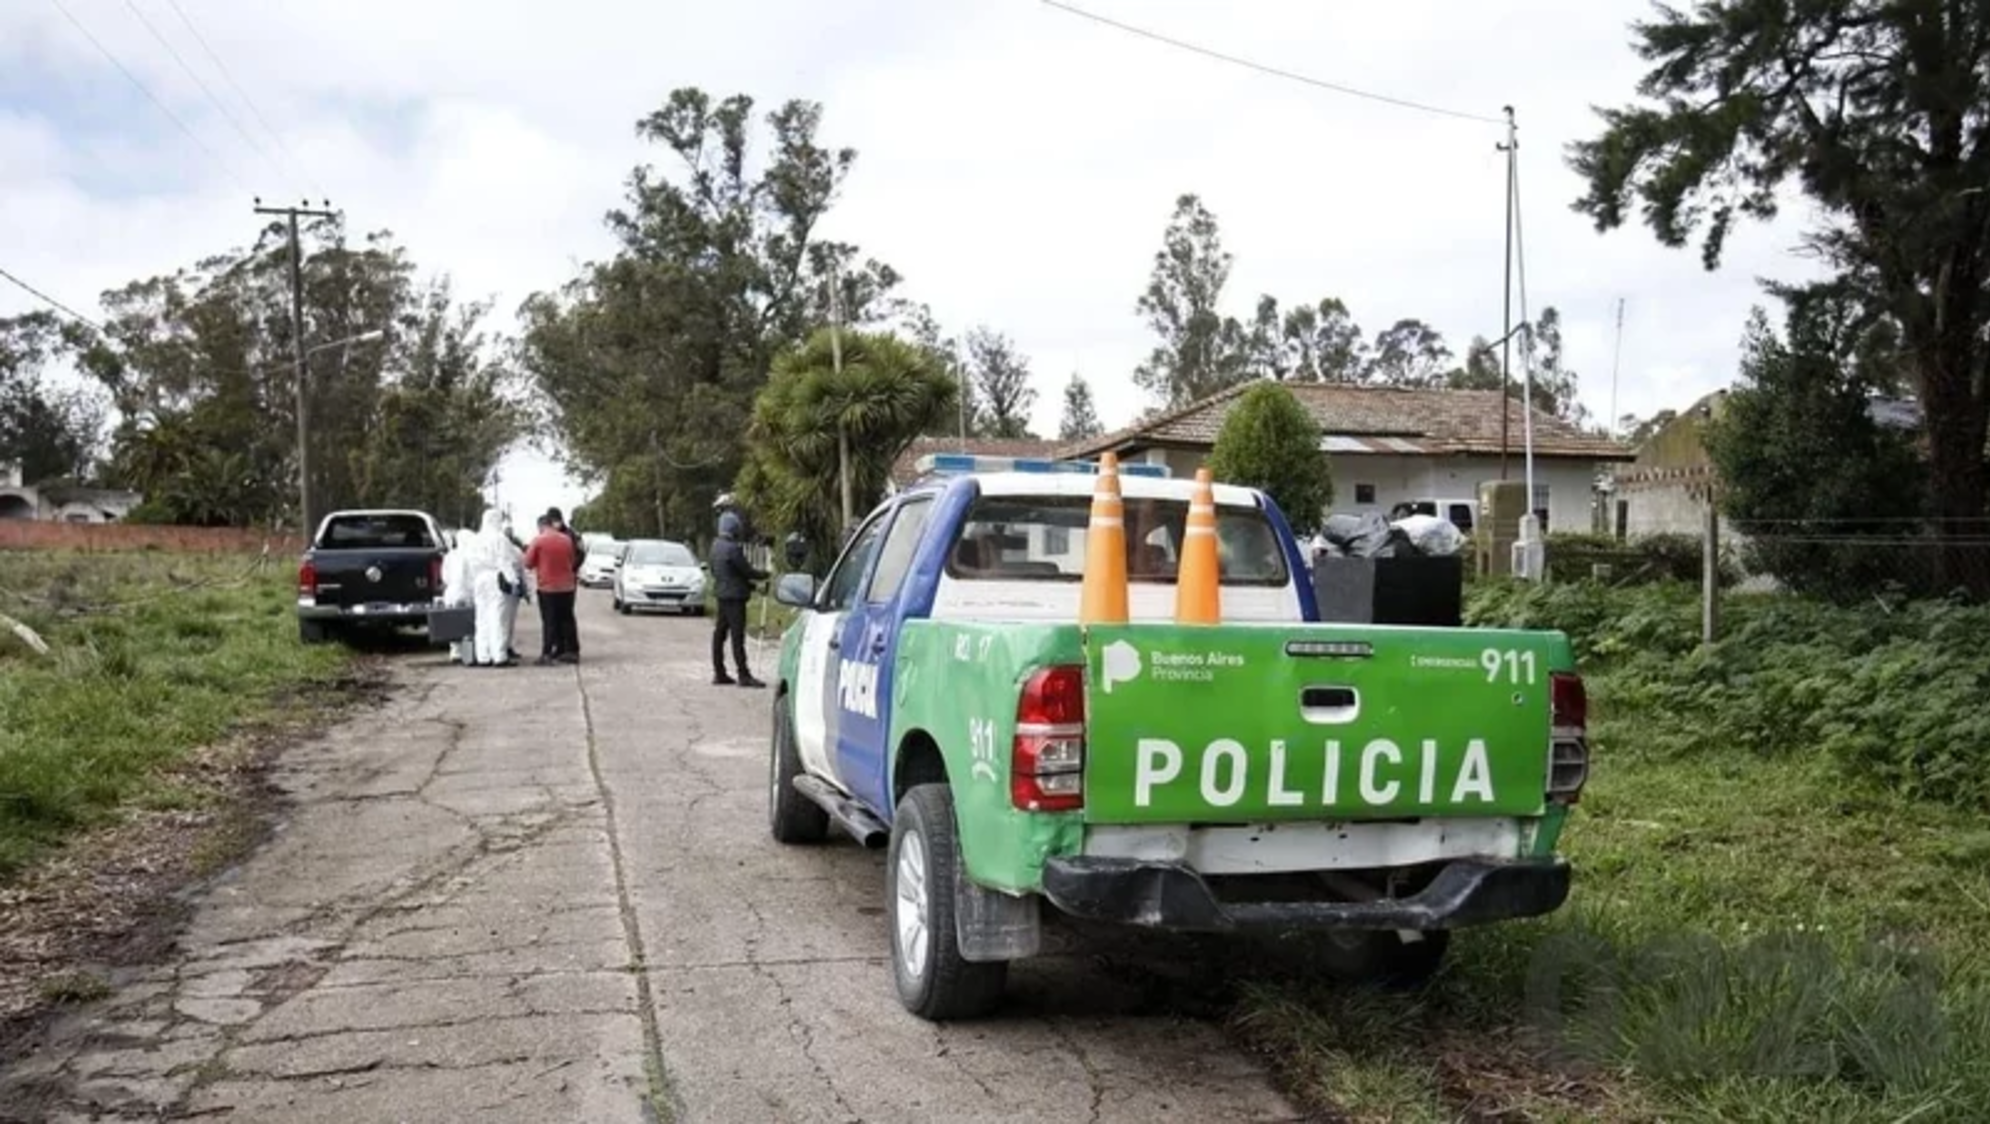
(733, 578)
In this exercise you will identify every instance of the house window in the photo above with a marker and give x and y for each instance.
(1364, 493)
(1541, 506)
(1057, 541)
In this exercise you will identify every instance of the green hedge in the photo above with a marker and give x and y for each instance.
(1893, 693)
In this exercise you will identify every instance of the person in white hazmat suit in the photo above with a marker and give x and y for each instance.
(456, 589)
(496, 576)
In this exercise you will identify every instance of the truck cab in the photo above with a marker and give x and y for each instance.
(938, 695)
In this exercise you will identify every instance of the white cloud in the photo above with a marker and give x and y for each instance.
(1016, 163)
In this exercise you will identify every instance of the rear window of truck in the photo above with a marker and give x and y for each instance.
(376, 532)
(1031, 538)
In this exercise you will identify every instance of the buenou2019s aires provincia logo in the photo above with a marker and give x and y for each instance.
(1120, 663)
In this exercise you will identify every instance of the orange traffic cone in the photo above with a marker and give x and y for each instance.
(1197, 583)
(1102, 598)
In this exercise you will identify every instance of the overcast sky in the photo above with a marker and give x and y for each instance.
(1016, 163)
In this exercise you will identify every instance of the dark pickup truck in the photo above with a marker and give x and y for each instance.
(368, 569)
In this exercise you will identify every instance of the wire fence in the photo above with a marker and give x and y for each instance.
(1881, 559)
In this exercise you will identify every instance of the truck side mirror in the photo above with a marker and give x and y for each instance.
(796, 590)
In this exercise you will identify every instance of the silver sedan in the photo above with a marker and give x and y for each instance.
(659, 574)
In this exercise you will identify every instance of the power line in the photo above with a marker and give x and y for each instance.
(208, 93)
(143, 89)
(1274, 71)
(52, 302)
(228, 76)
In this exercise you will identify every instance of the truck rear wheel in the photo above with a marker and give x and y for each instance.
(794, 818)
(923, 869)
(313, 632)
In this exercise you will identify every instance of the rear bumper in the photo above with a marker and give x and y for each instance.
(1165, 895)
(386, 614)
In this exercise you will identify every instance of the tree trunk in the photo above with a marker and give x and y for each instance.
(1956, 416)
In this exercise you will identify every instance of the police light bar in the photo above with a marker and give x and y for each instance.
(953, 464)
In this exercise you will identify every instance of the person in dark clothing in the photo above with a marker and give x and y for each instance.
(732, 586)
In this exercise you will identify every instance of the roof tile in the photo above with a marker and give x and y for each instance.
(1432, 421)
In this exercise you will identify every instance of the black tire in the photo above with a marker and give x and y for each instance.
(792, 817)
(622, 607)
(313, 632)
(1384, 957)
(947, 987)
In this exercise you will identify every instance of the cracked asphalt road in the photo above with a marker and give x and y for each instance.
(550, 895)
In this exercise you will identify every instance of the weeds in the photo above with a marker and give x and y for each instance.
(150, 656)
(1762, 928)
(71, 988)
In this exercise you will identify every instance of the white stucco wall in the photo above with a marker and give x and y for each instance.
(1569, 483)
(1670, 509)
(78, 513)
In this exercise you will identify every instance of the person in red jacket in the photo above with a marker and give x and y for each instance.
(555, 568)
(558, 523)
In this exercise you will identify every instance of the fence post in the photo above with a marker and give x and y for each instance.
(1710, 574)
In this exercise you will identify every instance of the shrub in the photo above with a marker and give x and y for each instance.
(1805, 464)
(1889, 693)
(1270, 441)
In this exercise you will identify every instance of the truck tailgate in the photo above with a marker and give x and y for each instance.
(1261, 723)
(375, 577)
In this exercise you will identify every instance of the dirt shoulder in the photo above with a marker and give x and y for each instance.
(112, 897)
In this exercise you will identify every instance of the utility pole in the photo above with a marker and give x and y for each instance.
(297, 346)
(1710, 571)
(836, 358)
(1616, 361)
(1511, 146)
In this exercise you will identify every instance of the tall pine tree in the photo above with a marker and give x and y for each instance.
(1081, 417)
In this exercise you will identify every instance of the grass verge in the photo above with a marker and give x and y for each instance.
(766, 618)
(1751, 937)
(150, 657)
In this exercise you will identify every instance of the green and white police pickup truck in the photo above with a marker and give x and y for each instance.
(1272, 773)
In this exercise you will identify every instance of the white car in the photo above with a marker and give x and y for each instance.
(604, 557)
(659, 574)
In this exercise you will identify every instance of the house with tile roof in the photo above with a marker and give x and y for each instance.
(1391, 445)
(1666, 489)
(60, 501)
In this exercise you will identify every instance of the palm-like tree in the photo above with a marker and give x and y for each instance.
(812, 424)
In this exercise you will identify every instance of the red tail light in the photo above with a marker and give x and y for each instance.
(1047, 761)
(1568, 739)
(1569, 700)
(435, 574)
(307, 580)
